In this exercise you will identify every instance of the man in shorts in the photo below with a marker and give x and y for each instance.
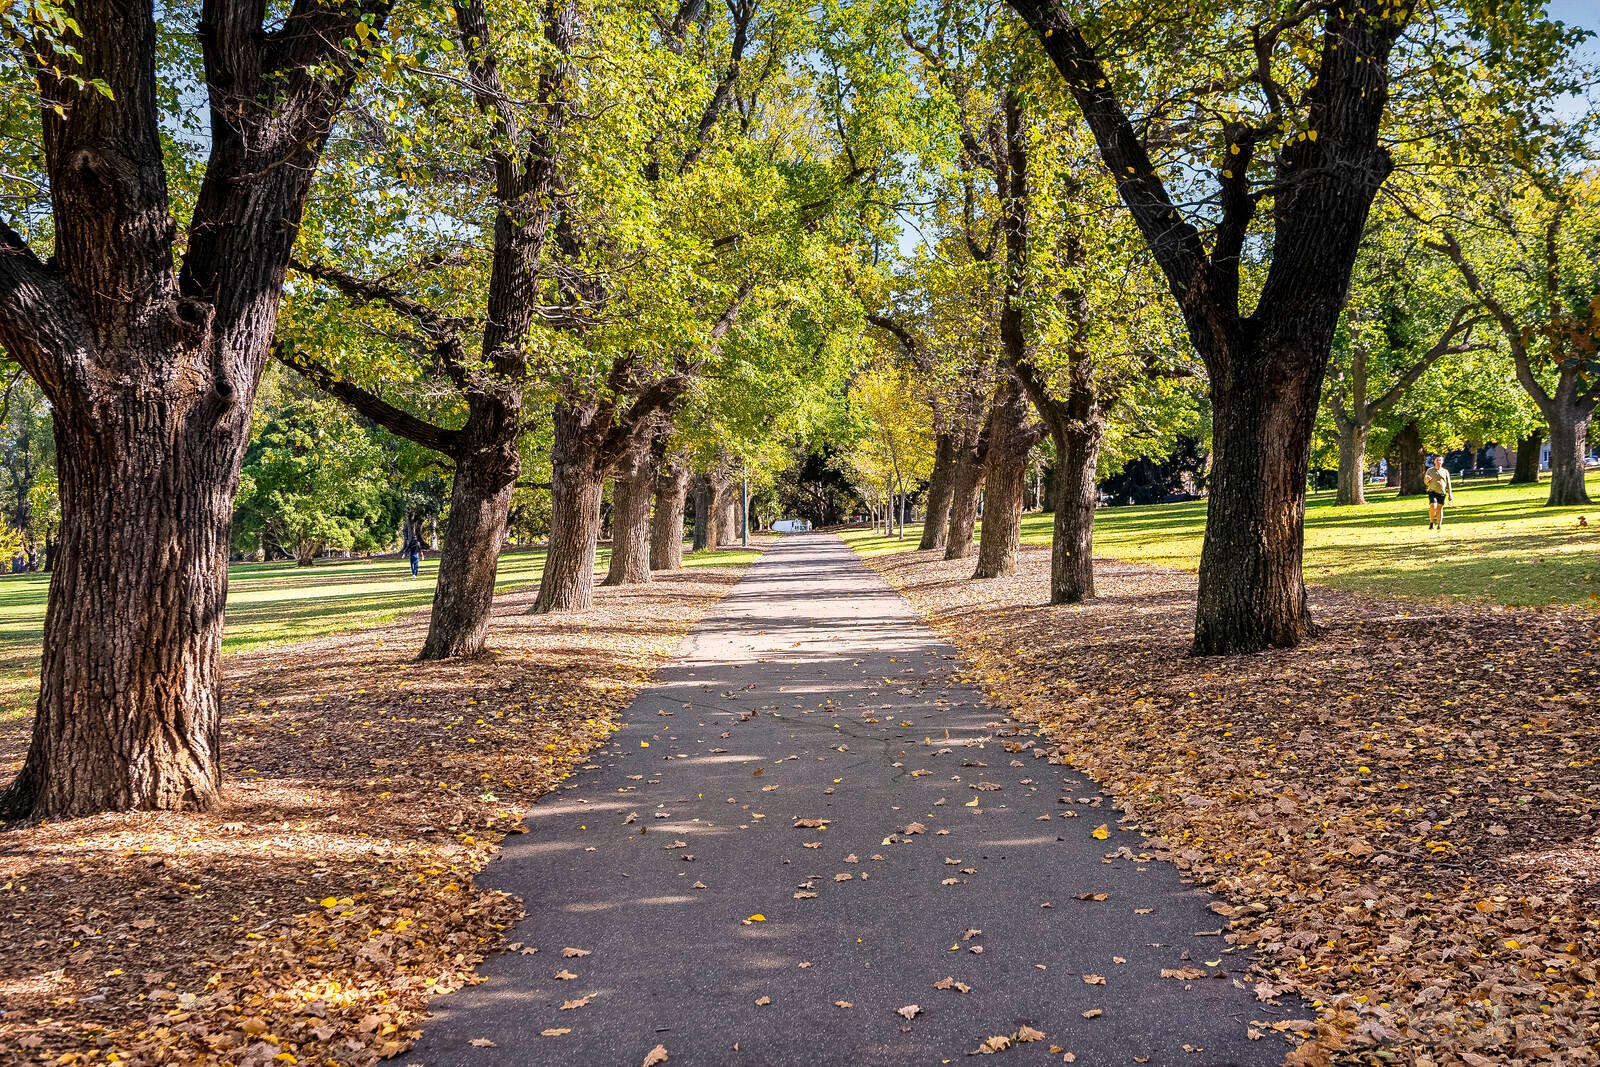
(1437, 482)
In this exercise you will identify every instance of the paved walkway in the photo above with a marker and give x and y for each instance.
(717, 919)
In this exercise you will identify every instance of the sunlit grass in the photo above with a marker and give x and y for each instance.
(273, 603)
(1500, 544)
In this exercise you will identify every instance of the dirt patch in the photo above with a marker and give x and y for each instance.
(1401, 813)
(312, 915)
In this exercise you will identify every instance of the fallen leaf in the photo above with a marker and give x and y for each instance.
(574, 953)
(655, 1056)
(1028, 1033)
(555, 1031)
(565, 975)
(1101, 832)
(482, 1042)
(910, 1011)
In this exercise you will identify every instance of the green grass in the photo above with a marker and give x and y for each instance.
(1500, 544)
(272, 603)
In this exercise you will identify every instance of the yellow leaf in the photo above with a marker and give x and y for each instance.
(757, 918)
(1101, 832)
(328, 902)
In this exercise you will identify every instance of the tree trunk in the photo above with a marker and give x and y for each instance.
(1005, 479)
(1527, 469)
(577, 486)
(150, 345)
(1252, 592)
(1569, 436)
(936, 524)
(1413, 465)
(729, 520)
(1076, 495)
(480, 505)
(719, 509)
(128, 714)
(1352, 463)
(666, 527)
(702, 513)
(630, 521)
(966, 473)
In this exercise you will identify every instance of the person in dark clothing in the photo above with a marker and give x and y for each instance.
(414, 553)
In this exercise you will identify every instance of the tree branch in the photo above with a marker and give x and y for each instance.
(37, 323)
(396, 420)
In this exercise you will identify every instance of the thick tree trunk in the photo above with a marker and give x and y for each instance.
(702, 513)
(630, 522)
(150, 345)
(1076, 495)
(1005, 477)
(1569, 435)
(1391, 478)
(966, 474)
(1352, 463)
(1527, 469)
(577, 486)
(480, 504)
(1413, 464)
(128, 713)
(1252, 592)
(936, 524)
(666, 527)
(719, 508)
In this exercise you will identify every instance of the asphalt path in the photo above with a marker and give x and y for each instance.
(802, 827)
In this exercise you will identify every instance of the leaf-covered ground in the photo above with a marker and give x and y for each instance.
(1401, 813)
(310, 917)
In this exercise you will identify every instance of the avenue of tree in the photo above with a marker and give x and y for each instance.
(356, 274)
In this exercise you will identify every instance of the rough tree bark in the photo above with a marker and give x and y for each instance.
(1352, 462)
(966, 476)
(719, 514)
(1265, 366)
(151, 369)
(701, 492)
(631, 492)
(1568, 416)
(1413, 462)
(936, 523)
(666, 527)
(1005, 475)
(1527, 469)
(577, 485)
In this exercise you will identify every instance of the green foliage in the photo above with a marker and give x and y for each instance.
(314, 479)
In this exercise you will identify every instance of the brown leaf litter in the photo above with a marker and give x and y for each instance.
(1400, 815)
(310, 917)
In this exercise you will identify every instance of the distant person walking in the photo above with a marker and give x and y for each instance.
(414, 553)
(1437, 482)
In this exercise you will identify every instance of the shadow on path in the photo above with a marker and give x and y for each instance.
(950, 848)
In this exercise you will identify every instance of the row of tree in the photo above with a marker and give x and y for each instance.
(552, 244)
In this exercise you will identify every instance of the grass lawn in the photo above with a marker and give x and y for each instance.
(269, 603)
(1499, 544)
